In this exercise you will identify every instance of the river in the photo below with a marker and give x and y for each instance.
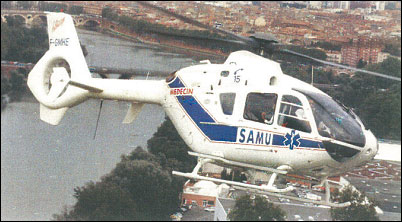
(42, 164)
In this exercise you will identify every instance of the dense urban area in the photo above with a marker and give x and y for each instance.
(362, 34)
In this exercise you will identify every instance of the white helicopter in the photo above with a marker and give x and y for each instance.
(244, 113)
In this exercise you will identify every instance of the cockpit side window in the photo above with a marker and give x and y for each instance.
(292, 115)
(260, 107)
(227, 102)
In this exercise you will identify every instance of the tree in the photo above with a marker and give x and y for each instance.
(108, 13)
(382, 112)
(167, 142)
(52, 7)
(22, 44)
(327, 46)
(361, 208)
(376, 100)
(25, 4)
(17, 85)
(104, 201)
(148, 185)
(76, 9)
(5, 5)
(361, 64)
(14, 21)
(258, 209)
(138, 188)
(5, 86)
(5, 39)
(393, 47)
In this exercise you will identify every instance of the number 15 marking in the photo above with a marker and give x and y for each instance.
(237, 77)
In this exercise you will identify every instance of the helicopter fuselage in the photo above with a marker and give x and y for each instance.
(197, 103)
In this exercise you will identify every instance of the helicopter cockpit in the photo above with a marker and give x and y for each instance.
(338, 123)
(335, 122)
(307, 112)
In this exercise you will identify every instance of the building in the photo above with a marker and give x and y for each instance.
(222, 209)
(93, 10)
(364, 48)
(382, 56)
(203, 193)
(315, 4)
(344, 5)
(334, 56)
(380, 5)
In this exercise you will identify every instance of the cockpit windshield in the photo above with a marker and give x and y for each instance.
(333, 121)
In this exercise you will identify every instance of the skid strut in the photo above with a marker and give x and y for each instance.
(202, 161)
(268, 189)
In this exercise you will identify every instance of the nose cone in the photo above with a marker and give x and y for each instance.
(371, 147)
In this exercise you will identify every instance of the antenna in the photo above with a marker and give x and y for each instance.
(97, 121)
(312, 74)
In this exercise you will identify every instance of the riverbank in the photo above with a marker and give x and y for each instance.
(174, 48)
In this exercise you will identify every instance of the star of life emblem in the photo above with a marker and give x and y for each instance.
(292, 140)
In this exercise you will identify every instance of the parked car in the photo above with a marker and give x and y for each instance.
(176, 216)
(209, 209)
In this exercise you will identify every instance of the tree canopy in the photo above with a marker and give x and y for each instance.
(257, 209)
(361, 208)
(377, 101)
(168, 144)
(138, 188)
(52, 7)
(22, 44)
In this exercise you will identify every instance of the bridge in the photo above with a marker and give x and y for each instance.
(39, 18)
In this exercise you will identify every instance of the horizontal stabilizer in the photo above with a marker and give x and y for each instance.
(52, 116)
(85, 86)
(133, 111)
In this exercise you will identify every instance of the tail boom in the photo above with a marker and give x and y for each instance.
(61, 78)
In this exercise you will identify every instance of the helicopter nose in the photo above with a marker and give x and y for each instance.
(371, 148)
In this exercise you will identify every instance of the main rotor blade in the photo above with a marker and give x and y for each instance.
(341, 66)
(199, 24)
(205, 38)
(102, 71)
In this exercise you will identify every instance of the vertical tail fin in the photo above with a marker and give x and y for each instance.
(62, 64)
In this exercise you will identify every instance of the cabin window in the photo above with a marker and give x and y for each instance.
(260, 107)
(292, 114)
(227, 102)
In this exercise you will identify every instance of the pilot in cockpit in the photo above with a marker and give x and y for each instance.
(268, 116)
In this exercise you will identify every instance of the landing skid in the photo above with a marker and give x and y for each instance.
(325, 203)
(234, 183)
(268, 189)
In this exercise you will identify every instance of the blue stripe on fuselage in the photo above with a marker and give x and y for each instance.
(205, 122)
(222, 133)
(177, 83)
(279, 140)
